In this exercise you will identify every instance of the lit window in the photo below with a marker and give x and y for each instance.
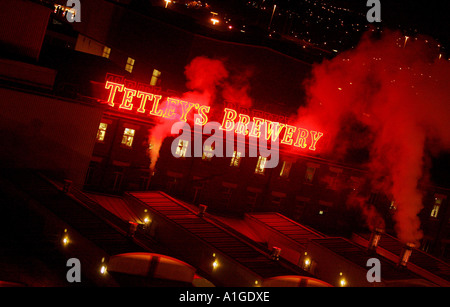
(208, 152)
(285, 169)
(436, 206)
(236, 159)
(101, 132)
(129, 65)
(309, 176)
(106, 52)
(182, 148)
(260, 166)
(155, 77)
(128, 136)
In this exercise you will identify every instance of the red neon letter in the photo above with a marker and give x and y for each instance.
(186, 108)
(288, 135)
(270, 129)
(241, 125)
(315, 136)
(154, 110)
(144, 96)
(170, 108)
(203, 115)
(127, 98)
(301, 138)
(228, 119)
(113, 87)
(256, 126)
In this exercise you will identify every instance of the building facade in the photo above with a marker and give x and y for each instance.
(107, 150)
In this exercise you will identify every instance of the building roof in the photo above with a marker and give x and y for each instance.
(282, 225)
(214, 235)
(358, 255)
(418, 257)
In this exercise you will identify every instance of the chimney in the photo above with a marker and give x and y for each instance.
(276, 251)
(201, 210)
(405, 254)
(374, 239)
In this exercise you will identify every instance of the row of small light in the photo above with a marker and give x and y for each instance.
(66, 240)
(342, 281)
(215, 265)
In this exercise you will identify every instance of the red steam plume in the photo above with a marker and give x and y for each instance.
(206, 78)
(400, 94)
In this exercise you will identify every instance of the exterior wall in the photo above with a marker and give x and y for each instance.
(47, 133)
(327, 266)
(23, 25)
(115, 167)
(199, 254)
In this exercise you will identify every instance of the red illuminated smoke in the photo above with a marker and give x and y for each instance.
(400, 93)
(207, 81)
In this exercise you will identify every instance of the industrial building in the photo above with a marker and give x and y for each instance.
(83, 164)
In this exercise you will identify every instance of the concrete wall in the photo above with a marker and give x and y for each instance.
(45, 133)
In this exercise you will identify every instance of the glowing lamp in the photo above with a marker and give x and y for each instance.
(342, 281)
(214, 21)
(215, 264)
(103, 269)
(65, 239)
(167, 2)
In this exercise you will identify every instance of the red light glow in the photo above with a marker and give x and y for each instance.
(176, 109)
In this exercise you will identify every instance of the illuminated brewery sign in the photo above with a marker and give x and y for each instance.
(138, 97)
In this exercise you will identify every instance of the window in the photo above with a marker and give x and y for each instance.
(309, 176)
(278, 198)
(118, 177)
(236, 159)
(130, 64)
(106, 52)
(323, 207)
(333, 178)
(355, 183)
(198, 185)
(260, 165)
(227, 193)
(101, 132)
(208, 152)
(155, 77)
(285, 169)
(436, 206)
(252, 197)
(299, 207)
(128, 136)
(182, 148)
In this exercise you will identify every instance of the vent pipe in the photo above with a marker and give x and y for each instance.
(405, 254)
(276, 251)
(201, 210)
(374, 239)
